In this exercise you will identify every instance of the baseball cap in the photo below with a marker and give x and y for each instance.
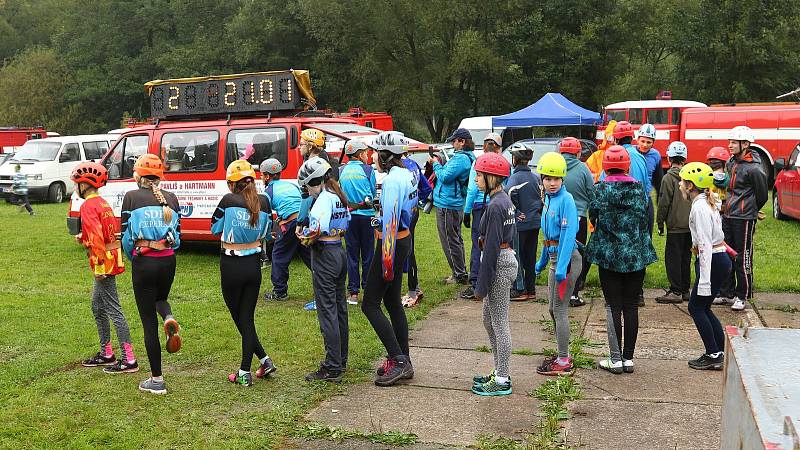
(494, 137)
(460, 133)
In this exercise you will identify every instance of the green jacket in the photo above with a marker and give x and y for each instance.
(621, 240)
(673, 209)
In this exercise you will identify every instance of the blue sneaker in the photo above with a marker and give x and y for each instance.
(310, 306)
(492, 388)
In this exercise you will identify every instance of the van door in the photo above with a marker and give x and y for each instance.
(69, 158)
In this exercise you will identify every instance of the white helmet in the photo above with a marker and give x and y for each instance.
(314, 169)
(394, 142)
(353, 146)
(677, 148)
(742, 133)
(647, 130)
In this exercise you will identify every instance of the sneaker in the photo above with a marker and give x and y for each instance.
(99, 360)
(686, 296)
(275, 296)
(245, 380)
(384, 367)
(670, 297)
(705, 362)
(614, 367)
(468, 293)
(627, 365)
(172, 328)
(576, 301)
(518, 296)
(352, 299)
(265, 369)
(481, 379)
(721, 301)
(738, 304)
(641, 300)
(546, 363)
(122, 367)
(397, 369)
(492, 388)
(553, 368)
(153, 387)
(310, 306)
(409, 301)
(531, 295)
(450, 280)
(323, 374)
(463, 281)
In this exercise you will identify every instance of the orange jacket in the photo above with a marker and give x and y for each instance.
(98, 228)
(595, 163)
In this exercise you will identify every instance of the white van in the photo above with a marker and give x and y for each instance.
(48, 163)
(479, 127)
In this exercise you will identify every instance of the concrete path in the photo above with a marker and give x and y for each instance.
(664, 404)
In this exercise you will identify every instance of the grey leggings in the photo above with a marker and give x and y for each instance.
(559, 305)
(105, 307)
(495, 312)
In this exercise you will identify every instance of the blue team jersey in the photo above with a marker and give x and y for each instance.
(398, 200)
(328, 215)
(231, 222)
(284, 197)
(559, 222)
(143, 218)
(358, 182)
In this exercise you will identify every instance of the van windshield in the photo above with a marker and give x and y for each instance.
(37, 151)
(479, 135)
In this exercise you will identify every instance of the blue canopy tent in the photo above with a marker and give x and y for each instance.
(552, 110)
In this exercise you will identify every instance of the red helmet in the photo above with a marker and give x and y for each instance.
(494, 164)
(623, 129)
(570, 145)
(720, 153)
(90, 172)
(616, 157)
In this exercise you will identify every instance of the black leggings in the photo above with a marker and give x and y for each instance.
(394, 335)
(621, 291)
(152, 280)
(413, 274)
(241, 282)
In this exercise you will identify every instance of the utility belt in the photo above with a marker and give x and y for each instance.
(400, 234)
(357, 206)
(113, 245)
(550, 243)
(503, 245)
(288, 219)
(155, 245)
(326, 241)
(239, 247)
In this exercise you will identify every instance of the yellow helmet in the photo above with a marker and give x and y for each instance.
(552, 164)
(315, 137)
(240, 169)
(700, 174)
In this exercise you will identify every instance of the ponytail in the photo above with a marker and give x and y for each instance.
(153, 183)
(247, 189)
(333, 186)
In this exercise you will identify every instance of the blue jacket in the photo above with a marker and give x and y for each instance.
(559, 223)
(231, 222)
(284, 196)
(475, 198)
(328, 216)
(424, 188)
(451, 180)
(579, 182)
(358, 182)
(398, 200)
(525, 190)
(653, 161)
(143, 218)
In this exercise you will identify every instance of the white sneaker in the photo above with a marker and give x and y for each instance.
(611, 366)
(627, 365)
(738, 304)
(719, 301)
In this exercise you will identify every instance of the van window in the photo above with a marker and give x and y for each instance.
(95, 150)
(190, 151)
(70, 153)
(658, 116)
(256, 145)
(124, 155)
(676, 116)
(635, 116)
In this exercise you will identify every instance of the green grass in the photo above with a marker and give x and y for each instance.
(47, 327)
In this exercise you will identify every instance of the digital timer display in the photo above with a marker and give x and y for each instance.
(227, 94)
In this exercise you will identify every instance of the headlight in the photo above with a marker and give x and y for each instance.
(34, 176)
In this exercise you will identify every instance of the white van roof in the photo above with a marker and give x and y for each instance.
(478, 123)
(79, 138)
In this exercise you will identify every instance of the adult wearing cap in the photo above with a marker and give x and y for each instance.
(392, 221)
(748, 194)
(449, 197)
(357, 179)
(580, 183)
(284, 197)
(524, 188)
(473, 211)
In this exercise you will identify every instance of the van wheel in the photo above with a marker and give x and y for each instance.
(56, 193)
(776, 207)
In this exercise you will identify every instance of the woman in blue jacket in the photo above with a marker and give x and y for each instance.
(242, 219)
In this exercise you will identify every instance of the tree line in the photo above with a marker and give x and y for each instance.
(79, 67)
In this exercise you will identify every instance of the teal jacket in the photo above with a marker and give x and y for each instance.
(452, 180)
(579, 182)
(559, 223)
(621, 240)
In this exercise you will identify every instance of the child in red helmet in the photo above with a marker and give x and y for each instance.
(98, 234)
(497, 271)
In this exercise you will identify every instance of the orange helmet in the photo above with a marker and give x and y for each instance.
(90, 172)
(149, 164)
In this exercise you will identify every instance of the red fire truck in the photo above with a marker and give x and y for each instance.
(201, 125)
(379, 119)
(13, 137)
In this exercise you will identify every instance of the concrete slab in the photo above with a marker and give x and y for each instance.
(655, 381)
(468, 334)
(523, 312)
(434, 415)
(617, 424)
(777, 299)
(780, 319)
(652, 343)
(454, 369)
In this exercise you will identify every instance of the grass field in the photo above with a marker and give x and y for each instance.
(48, 400)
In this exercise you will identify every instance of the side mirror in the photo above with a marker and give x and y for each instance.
(780, 164)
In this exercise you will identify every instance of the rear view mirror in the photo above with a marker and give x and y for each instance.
(780, 164)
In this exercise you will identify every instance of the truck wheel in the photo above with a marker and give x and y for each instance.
(56, 193)
(766, 167)
(776, 207)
